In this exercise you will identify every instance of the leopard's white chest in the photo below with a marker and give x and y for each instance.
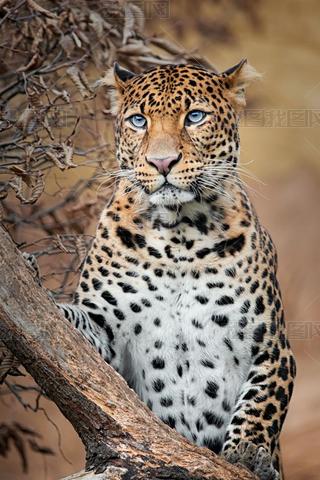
(181, 349)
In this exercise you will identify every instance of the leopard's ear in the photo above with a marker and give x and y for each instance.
(237, 78)
(115, 80)
(121, 76)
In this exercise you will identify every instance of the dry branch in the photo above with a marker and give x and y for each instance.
(115, 427)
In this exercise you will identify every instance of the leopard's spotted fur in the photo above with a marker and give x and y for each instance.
(179, 290)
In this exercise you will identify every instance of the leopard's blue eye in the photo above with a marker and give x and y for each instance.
(194, 117)
(138, 121)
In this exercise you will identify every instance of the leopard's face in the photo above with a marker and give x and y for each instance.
(176, 130)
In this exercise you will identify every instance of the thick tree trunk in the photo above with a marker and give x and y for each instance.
(118, 431)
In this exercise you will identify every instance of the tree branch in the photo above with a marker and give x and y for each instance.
(119, 432)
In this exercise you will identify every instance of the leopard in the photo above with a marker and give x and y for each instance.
(179, 290)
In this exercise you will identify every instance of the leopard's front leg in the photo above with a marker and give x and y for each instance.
(90, 324)
(89, 328)
(252, 437)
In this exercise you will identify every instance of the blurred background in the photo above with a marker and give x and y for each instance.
(280, 138)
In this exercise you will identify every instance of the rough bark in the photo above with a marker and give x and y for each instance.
(118, 431)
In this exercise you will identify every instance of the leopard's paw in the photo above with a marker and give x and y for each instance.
(256, 458)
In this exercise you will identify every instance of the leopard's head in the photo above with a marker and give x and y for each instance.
(177, 129)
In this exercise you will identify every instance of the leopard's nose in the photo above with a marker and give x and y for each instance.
(163, 164)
